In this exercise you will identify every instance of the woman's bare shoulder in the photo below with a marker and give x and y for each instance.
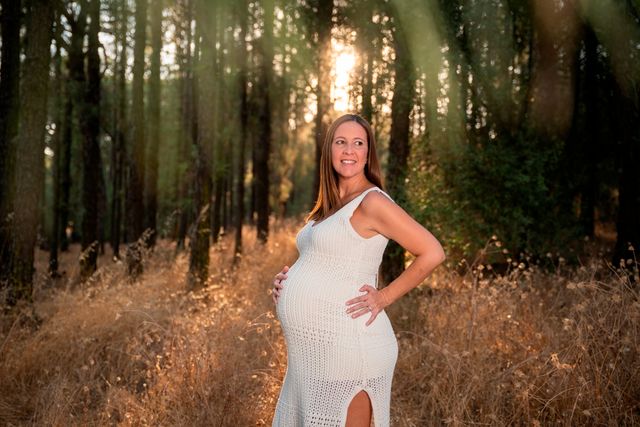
(377, 202)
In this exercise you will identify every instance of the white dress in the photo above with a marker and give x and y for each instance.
(330, 355)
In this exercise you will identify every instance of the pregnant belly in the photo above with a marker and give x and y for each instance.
(314, 298)
(310, 293)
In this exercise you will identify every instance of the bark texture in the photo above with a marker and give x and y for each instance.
(30, 147)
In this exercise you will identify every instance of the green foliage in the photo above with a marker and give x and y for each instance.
(433, 204)
(507, 182)
(504, 186)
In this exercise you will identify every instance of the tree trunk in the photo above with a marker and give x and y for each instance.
(199, 257)
(119, 153)
(58, 117)
(151, 194)
(65, 167)
(401, 104)
(218, 141)
(367, 89)
(135, 190)
(253, 105)
(103, 202)
(324, 23)
(30, 146)
(242, 92)
(90, 128)
(186, 120)
(364, 13)
(218, 194)
(226, 201)
(77, 91)
(589, 148)
(9, 103)
(263, 148)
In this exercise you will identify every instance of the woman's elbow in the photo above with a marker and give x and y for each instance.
(437, 254)
(434, 258)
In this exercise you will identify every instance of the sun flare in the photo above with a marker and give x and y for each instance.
(345, 60)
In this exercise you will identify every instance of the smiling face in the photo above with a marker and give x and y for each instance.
(349, 149)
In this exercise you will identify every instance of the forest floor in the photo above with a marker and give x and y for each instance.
(525, 347)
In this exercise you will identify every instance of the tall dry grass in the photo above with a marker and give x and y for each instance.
(519, 348)
(523, 347)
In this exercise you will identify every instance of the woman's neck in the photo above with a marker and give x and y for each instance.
(354, 185)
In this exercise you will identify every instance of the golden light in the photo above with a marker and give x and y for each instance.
(345, 59)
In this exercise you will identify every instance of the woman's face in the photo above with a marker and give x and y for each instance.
(349, 149)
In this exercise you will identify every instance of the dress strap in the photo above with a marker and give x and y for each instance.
(352, 205)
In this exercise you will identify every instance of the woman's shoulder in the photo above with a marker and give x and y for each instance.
(375, 200)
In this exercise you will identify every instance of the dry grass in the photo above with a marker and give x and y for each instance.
(523, 348)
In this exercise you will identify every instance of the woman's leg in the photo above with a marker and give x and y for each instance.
(359, 412)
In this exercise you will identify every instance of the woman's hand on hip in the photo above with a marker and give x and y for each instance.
(374, 301)
(277, 283)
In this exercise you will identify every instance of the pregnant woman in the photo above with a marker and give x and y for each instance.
(341, 347)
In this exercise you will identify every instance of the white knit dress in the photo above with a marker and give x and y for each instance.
(330, 355)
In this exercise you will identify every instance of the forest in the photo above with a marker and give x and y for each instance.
(157, 158)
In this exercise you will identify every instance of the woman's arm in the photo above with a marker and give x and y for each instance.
(381, 215)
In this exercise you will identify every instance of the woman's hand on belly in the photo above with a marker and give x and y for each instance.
(277, 283)
(374, 302)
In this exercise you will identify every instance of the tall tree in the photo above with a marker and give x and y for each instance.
(322, 12)
(119, 148)
(187, 52)
(367, 76)
(361, 15)
(401, 105)
(30, 146)
(588, 146)
(241, 58)
(263, 148)
(219, 139)
(58, 117)
(90, 129)
(135, 190)
(151, 181)
(199, 256)
(65, 166)
(9, 102)
(77, 109)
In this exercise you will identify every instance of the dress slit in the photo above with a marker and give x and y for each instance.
(345, 408)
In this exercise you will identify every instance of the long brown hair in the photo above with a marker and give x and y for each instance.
(328, 199)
